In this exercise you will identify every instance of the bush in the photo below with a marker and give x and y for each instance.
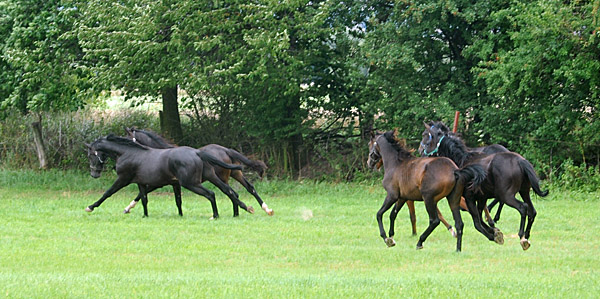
(581, 178)
(64, 135)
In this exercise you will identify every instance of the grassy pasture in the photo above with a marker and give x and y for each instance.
(322, 241)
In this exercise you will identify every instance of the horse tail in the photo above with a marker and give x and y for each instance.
(471, 173)
(212, 160)
(527, 168)
(259, 166)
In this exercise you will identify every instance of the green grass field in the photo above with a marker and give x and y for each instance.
(322, 241)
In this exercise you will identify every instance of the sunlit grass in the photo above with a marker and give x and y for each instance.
(322, 241)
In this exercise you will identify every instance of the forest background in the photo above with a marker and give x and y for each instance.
(301, 84)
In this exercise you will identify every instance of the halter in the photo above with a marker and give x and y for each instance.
(97, 156)
(436, 148)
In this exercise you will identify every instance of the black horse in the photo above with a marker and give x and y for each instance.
(223, 154)
(152, 168)
(489, 149)
(507, 174)
(419, 179)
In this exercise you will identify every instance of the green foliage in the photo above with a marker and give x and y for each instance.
(37, 61)
(65, 134)
(283, 80)
(578, 178)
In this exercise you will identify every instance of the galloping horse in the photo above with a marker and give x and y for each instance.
(507, 174)
(152, 168)
(489, 149)
(407, 177)
(223, 154)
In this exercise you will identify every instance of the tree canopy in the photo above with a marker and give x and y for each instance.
(287, 76)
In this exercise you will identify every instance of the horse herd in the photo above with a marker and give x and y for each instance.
(467, 177)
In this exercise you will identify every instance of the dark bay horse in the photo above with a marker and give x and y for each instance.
(152, 168)
(223, 154)
(489, 149)
(407, 177)
(507, 174)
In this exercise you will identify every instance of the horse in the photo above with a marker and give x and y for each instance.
(507, 174)
(411, 211)
(153, 168)
(489, 149)
(225, 155)
(407, 177)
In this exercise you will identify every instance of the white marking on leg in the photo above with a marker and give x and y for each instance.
(130, 206)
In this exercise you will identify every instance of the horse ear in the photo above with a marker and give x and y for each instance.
(428, 127)
(87, 145)
(372, 134)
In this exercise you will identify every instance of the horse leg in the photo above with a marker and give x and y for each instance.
(144, 194)
(488, 217)
(390, 199)
(497, 217)
(481, 206)
(512, 201)
(448, 226)
(231, 194)
(434, 221)
(137, 199)
(132, 204)
(413, 216)
(116, 186)
(492, 204)
(201, 190)
(239, 176)
(393, 215)
(177, 191)
(477, 221)
(455, 200)
(531, 213)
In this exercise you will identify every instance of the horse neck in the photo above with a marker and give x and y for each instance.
(152, 142)
(391, 157)
(113, 149)
(454, 149)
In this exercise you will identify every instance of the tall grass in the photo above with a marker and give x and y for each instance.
(322, 242)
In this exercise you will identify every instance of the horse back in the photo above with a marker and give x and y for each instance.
(432, 177)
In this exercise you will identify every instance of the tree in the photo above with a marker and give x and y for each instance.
(541, 62)
(138, 47)
(37, 61)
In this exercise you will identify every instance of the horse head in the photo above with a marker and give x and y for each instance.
(432, 136)
(97, 159)
(374, 161)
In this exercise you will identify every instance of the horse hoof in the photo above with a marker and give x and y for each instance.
(498, 236)
(88, 210)
(390, 242)
(525, 244)
(250, 210)
(269, 212)
(453, 232)
(126, 211)
(419, 247)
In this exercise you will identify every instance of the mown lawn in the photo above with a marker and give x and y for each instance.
(322, 241)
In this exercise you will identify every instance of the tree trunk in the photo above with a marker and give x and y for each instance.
(39, 143)
(170, 121)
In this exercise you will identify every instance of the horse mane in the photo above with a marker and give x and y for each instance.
(454, 148)
(161, 141)
(398, 144)
(441, 126)
(122, 141)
